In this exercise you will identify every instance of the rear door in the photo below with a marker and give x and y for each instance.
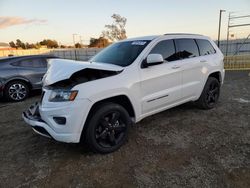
(191, 65)
(161, 84)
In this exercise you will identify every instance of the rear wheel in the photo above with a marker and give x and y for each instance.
(16, 91)
(107, 129)
(210, 94)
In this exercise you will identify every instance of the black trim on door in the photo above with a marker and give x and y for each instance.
(157, 98)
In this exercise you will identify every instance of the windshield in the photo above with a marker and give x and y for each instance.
(121, 53)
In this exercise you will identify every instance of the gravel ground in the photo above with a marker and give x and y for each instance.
(180, 147)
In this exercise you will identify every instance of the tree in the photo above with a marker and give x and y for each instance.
(116, 31)
(37, 45)
(30, 46)
(12, 44)
(20, 44)
(62, 46)
(49, 43)
(101, 42)
(78, 45)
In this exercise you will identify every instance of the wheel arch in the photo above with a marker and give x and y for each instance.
(122, 100)
(217, 75)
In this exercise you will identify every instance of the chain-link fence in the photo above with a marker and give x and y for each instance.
(236, 48)
(237, 53)
(81, 54)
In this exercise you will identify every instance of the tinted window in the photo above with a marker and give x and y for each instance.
(186, 48)
(39, 63)
(121, 53)
(166, 49)
(205, 47)
(36, 63)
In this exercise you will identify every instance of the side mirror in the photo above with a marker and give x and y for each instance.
(154, 59)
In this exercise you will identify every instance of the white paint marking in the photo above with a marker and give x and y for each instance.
(240, 100)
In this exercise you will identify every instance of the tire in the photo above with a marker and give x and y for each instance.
(210, 94)
(16, 91)
(107, 128)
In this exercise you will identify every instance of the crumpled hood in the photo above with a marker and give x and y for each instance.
(61, 69)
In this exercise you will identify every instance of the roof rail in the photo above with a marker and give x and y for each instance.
(182, 34)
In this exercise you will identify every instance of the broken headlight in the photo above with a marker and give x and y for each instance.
(62, 95)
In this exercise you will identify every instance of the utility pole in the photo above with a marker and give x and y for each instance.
(228, 26)
(219, 27)
(81, 40)
(74, 44)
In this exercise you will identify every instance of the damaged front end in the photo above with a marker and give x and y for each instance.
(31, 116)
(56, 115)
(61, 90)
(82, 76)
(75, 72)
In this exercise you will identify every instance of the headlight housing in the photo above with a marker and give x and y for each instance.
(62, 95)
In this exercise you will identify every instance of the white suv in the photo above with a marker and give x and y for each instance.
(97, 101)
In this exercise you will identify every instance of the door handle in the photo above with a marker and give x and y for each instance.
(175, 67)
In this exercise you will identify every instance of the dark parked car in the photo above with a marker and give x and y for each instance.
(21, 74)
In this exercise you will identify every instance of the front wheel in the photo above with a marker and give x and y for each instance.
(210, 94)
(107, 129)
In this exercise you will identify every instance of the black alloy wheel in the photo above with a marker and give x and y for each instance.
(110, 129)
(213, 93)
(210, 94)
(107, 129)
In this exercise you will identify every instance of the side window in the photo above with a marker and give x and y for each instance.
(205, 47)
(44, 63)
(25, 63)
(166, 49)
(39, 63)
(186, 48)
(34, 63)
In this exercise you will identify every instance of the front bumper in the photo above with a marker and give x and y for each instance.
(42, 120)
(33, 118)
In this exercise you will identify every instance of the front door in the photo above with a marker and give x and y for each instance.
(161, 84)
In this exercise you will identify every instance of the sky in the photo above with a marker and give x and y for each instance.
(35, 20)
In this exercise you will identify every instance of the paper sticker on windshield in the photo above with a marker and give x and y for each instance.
(140, 43)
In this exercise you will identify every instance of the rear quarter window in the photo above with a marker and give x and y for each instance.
(205, 47)
(32, 63)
